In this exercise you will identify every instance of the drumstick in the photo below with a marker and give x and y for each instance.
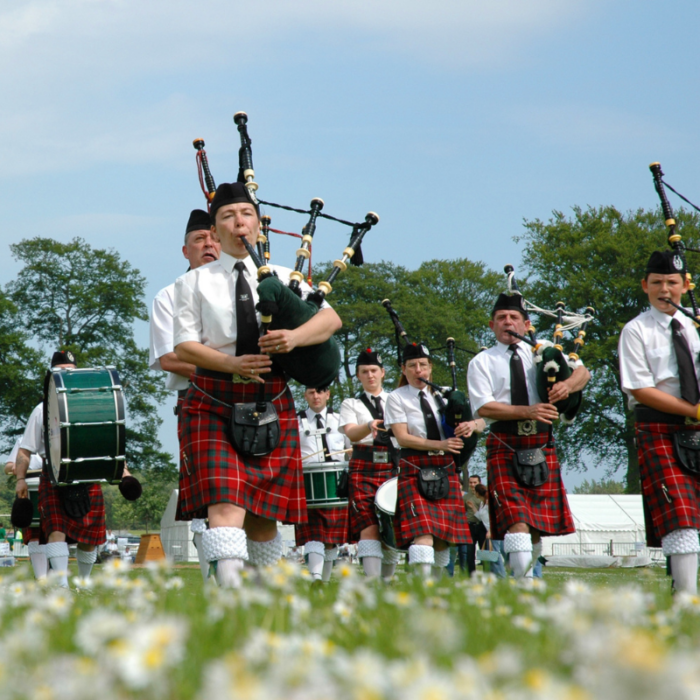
(330, 454)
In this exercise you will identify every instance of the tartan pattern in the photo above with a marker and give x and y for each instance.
(211, 471)
(88, 530)
(544, 508)
(445, 519)
(327, 525)
(33, 533)
(658, 468)
(365, 477)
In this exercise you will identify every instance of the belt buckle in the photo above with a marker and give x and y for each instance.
(380, 456)
(691, 421)
(436, 453)
(240, 379)
(527, 427)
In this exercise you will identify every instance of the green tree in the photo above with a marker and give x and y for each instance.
(604, 486)
(597, 257)
(71, 295)
(21, 371)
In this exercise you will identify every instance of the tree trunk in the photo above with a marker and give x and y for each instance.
(632, 479)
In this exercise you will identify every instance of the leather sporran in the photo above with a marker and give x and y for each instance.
(254, 428)
(686, 445)
(433, 483)
(75, 500)
(342, 488)
(530, 467)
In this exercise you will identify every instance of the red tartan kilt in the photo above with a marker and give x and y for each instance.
(658, 467)
(327, 525)
(365, 477)
(544, 508)
(445, 519)
(87, 530)
(211, 471)
(33, 533)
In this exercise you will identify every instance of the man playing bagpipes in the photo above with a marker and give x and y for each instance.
(321, 443)
(374, 460)
(240, 467)
(526, 495)
(199, 248)
(659, 372)
(430, 512)
(62, 521)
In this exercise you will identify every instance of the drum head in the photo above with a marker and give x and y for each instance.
(54, 415)
(386, 496)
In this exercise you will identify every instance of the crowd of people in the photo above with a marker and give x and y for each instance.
(249, 459)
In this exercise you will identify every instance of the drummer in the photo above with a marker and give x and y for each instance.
(429, 515)
(320, 441)
(59, 529)
(216, 329)
(33, 537)
(200, 247)
(373, 462)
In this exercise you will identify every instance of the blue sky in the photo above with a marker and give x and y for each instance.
(452, 120)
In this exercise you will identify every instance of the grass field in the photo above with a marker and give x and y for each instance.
(157, 633)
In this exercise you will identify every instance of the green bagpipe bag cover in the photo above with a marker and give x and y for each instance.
(553, 363)
(458, 410)
(313, 365)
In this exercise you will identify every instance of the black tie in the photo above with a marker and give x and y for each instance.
(326, 450)
(518, 385)
(382, 438)
(431, 425)
(686, 368)
(247, 331)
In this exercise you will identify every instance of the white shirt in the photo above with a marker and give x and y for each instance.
(310, 436)
(205, 309)
(35, 462)
(403, 406)
(33, 438)
(488, 376)
(354, 412)
(161, 335)
(647, 357)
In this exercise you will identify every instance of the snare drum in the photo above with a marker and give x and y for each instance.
(33, 488)
(321, 484)
(84, 429)
(385, 506)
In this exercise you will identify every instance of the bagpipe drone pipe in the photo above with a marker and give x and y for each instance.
(453, 404)
(676, 242)
(281, 306)
(552, 364)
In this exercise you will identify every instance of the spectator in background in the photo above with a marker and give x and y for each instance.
(478, 532)
(482, 514)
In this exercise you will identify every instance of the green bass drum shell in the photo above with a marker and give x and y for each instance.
(314, 365)
(554, 364)
(84, 425)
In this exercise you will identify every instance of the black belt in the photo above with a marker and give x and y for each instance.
(425, 453)
(232, 377)
(373, 453)
(521, 428)
(644, 414)
(181, 393)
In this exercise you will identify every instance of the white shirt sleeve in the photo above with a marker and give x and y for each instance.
(635, 372)
(479, 384)
(13, 455)
(394, 410)
(187, 316)
(33, 438)
(161, 327)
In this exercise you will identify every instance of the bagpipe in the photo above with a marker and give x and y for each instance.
(453, 404)
(281, 306)
(676, 242)
(552, 364)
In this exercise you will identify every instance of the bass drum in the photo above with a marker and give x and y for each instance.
(385, 507)
(84, 425)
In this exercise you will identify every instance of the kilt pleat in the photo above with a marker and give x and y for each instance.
(327, 525)
(365, 477)
(671, 495)
(544, 508)
(89, 529)
(445, 519)
(211, 471)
